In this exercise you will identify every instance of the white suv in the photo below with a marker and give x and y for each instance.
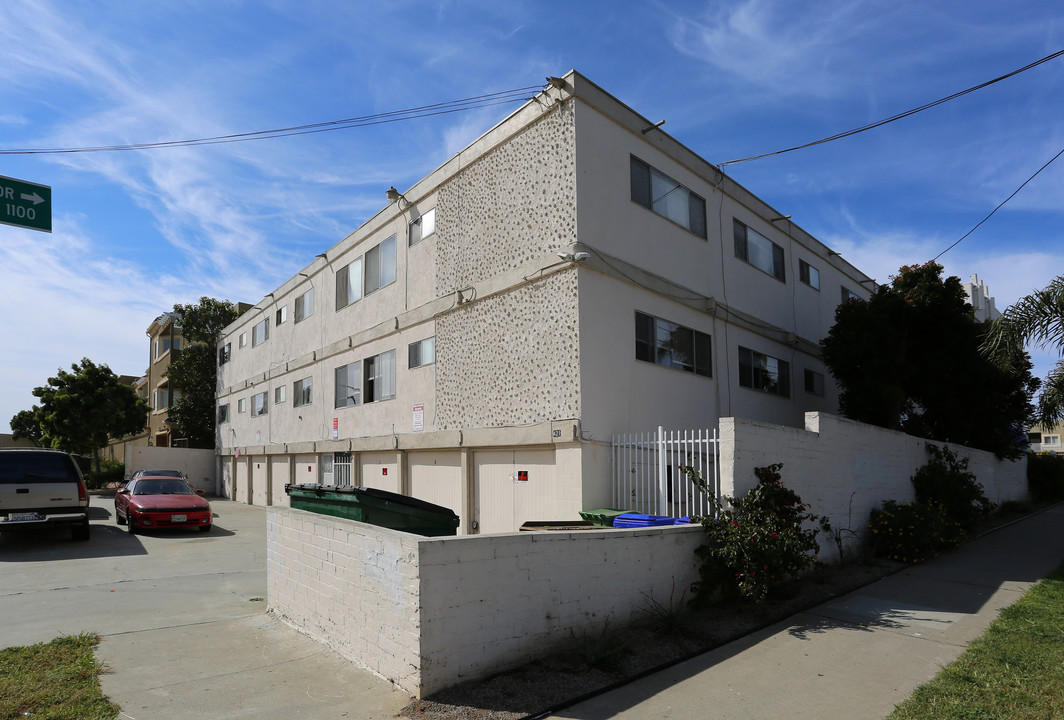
(42, 488)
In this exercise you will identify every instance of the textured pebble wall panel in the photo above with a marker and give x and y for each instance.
(510, 359)
(515, 204)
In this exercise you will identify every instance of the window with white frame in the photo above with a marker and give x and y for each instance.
(667, 343)
(422, 226)
(304, 306)
(223, 414)
(261, 332)
(349, 284)
(808, 274)
(764, 372)
(282, 314)
(163, 345)
(279, 394)
(243, 339)
(656, 191)
(422, 352)
(756, 249)
(380, 265)
(242, 405)
(302, 392)
(814, 382)
(378, 377)
(225, 354)
(260, 404)
(1051, 439)
(348, 385)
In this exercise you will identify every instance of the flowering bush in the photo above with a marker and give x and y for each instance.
(911, 532)
(756, 542)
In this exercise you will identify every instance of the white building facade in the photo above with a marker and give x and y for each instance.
(479, 341)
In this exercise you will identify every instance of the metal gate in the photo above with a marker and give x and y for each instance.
(647, 474)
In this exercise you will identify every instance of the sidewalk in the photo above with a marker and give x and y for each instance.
(857, 656)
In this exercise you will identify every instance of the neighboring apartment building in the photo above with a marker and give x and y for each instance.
(1046, 439)
(572, 274)
(164, 343)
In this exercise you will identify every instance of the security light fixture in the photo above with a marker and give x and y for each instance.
(394, 195)
(781, 217)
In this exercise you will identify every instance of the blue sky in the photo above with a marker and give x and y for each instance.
(136, 231)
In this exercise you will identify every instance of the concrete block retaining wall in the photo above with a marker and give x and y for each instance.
(845, 469)
(426, 613)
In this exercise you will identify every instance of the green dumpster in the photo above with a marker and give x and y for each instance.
(376, 507)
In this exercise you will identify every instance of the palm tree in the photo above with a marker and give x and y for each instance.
(1037, 319)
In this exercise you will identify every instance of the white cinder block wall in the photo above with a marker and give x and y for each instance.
(427, 613)
(844, 469)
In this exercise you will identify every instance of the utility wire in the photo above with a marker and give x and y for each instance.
(899, 116)
(1014, 194)
(450, 106)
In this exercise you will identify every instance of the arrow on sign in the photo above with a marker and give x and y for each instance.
(34, 198)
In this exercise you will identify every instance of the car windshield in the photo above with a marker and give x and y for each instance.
(167, 473)
(161, 487)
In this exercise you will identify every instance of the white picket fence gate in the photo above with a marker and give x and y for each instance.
(647, 475)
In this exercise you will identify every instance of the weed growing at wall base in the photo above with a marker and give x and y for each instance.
(757, 543)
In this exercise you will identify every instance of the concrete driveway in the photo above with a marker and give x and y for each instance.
(183, 619)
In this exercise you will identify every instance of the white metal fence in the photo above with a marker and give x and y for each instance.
(647, 474)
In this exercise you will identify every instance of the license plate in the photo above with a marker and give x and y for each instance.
(16, 517)
(179, 518)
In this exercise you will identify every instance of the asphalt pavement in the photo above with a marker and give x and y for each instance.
(182, 616)
(185, 632)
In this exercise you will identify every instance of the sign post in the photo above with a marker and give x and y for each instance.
(25, 204)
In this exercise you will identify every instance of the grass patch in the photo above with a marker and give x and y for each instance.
(1015, 670)
(58, 680)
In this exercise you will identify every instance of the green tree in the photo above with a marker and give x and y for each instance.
(27, 424)
(195, 370)
(1037, 319)
(908, 359)
(81, 410)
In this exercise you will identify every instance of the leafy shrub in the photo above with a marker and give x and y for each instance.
(756, 544)
(945, 480)
(1045, 477)
(911, 532)
(110, 471)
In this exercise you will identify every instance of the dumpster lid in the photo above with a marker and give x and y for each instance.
(373, 493)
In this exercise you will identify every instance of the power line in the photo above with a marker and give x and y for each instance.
(443, 108)
(899, 116)
(1014, 194)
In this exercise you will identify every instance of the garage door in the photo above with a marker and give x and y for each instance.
(436, 477)
(513, 487)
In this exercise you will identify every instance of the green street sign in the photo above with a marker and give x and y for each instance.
(25, 204)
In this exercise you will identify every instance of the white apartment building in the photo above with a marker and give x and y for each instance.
(572, 274)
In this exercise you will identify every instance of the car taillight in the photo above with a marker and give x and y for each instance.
(83, 494)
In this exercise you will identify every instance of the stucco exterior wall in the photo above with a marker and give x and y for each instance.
(198, 465)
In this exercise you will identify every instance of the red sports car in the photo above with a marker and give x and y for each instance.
(150, 502)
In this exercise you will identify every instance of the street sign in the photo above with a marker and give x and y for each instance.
(25, 204)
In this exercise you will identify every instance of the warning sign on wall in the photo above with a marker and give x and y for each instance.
(419, 417)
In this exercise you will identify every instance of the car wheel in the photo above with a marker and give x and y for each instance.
(130, 526)
(205, 528)
(80, 532)
(119, 519)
